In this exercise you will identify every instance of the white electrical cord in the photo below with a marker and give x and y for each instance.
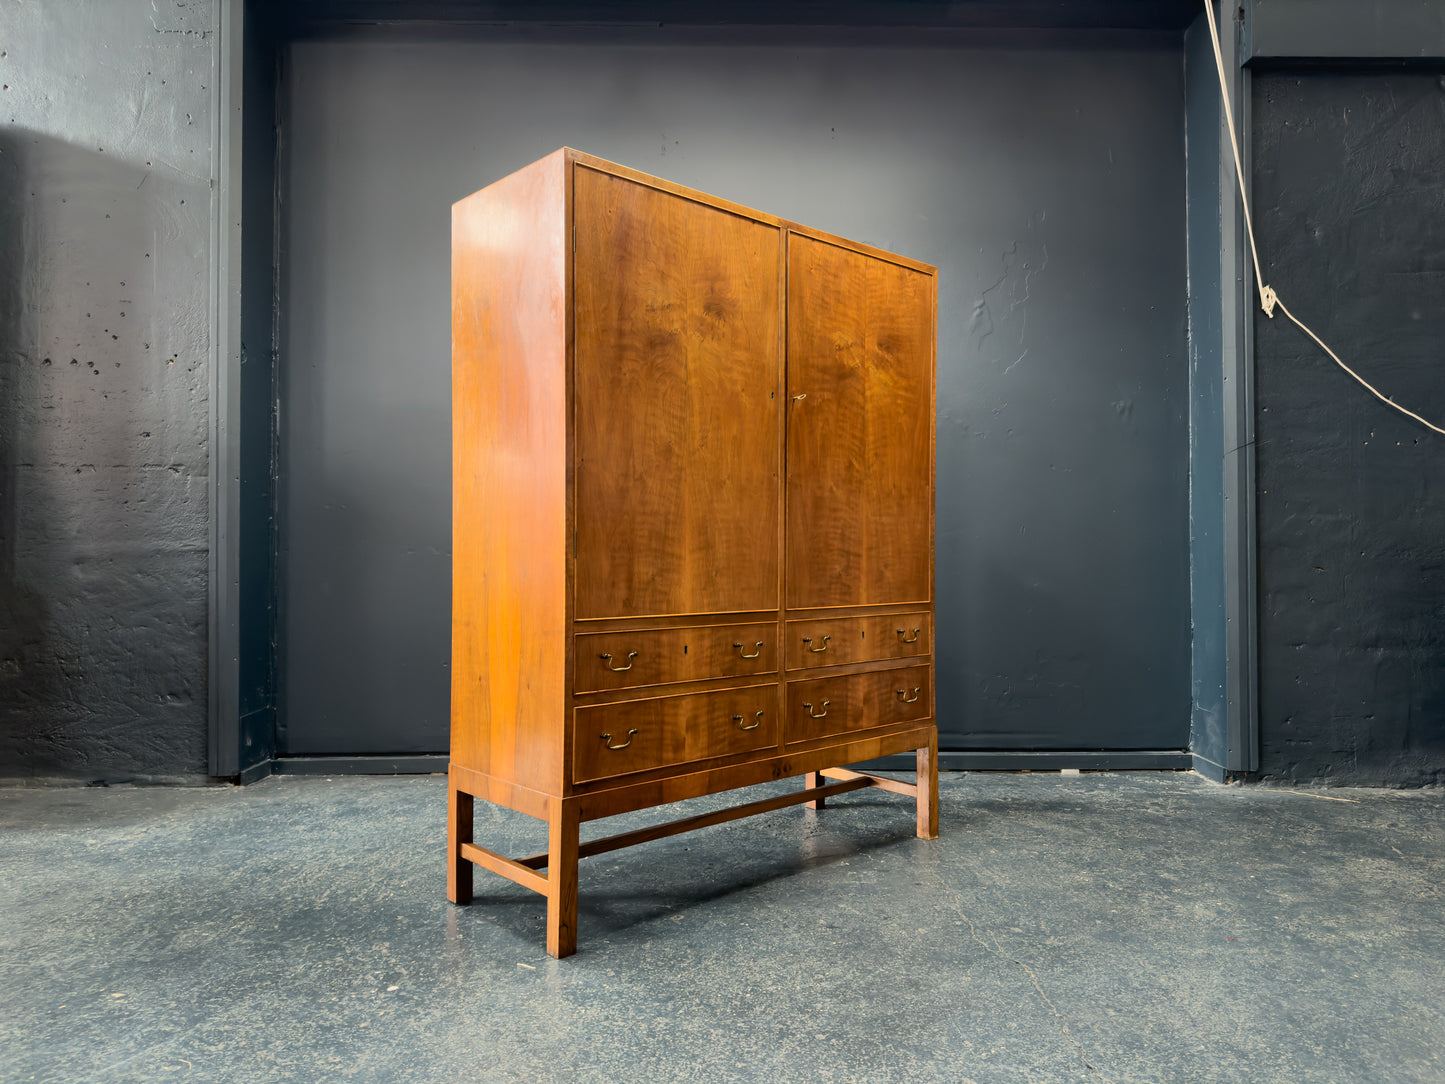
(1268, 299)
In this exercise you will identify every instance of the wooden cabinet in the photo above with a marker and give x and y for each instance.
(692, 512)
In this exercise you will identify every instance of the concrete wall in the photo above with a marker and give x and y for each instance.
(105, 189)
(1349, 186)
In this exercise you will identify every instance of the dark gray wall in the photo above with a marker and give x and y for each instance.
(255, 410)
(105, 166)
(1349, 184)
(1043, 174)
(1208, 725)
(1361, 29)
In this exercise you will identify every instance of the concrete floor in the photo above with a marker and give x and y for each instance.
(1129, 927)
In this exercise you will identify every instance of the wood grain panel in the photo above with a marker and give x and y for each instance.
(860, 428)
(509, 477)
(665, 656)
(851, 702)
(677, 414)
(834, 641)
(673, 730)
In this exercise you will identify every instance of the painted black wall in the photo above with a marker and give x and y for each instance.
(105, 166)
(1349, 186)
(1042, 172)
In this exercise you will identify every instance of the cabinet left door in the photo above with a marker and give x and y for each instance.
(677, 384)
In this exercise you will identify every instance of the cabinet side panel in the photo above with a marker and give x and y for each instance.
(509, 477)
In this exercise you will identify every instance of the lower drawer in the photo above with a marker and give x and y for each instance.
(635, 735)
(837, 705)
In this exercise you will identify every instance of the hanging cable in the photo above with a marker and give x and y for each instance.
(1268, 299)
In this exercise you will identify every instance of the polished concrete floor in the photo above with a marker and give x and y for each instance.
(1109, 927)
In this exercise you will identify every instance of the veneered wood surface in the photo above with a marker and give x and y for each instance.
(509, 477)
(459, 832)
(927, 776)
(502, 866)
(856, 702)
(857, 639)
(664, 656)
(812, 780)
(677, 413)
(882, 782)
(676, 404)
(673, 730)
(500, 791)
(704, 820)
(563, 825)
(712, 200)
(860, 428)
(621, 795)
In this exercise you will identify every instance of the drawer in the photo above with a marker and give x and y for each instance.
(833, 641)
(634, 735)
(626, 660)
(837, 705)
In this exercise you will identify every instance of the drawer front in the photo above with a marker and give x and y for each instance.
(635, 735)
(848, 702)
(835, 641)
(627, 660)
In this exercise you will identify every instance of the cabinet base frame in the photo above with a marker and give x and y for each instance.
(564, 815)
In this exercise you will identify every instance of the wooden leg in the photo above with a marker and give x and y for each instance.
(459, 831)
(562, 834)
(813, 779)
(928, 789)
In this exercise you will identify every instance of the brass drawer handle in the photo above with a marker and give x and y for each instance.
(905, 638)
(811, 714)
(739, 720)
(817, 650)
(618, 669)
(902, 695)
(608, 739)
(757, 650)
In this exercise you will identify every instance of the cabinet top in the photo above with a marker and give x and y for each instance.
(574, 157)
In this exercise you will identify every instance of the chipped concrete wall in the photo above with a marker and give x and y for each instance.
(105, 188)
(1350, 215)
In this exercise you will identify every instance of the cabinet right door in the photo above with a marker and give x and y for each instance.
(860, 428)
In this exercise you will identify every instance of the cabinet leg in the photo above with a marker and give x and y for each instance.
(928, 790)
(562, 834)
(813, 779)
(459, 831)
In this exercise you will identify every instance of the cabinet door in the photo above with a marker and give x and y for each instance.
(677, 413)
(860, 428)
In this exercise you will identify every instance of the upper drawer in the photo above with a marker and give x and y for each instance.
(833, 641)
(625, 660)
(634, 735)
(826, 706)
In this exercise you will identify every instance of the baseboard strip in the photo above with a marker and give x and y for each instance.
(420, 764)
(1046, 760)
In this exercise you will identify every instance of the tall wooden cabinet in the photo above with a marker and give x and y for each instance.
(692, 512)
